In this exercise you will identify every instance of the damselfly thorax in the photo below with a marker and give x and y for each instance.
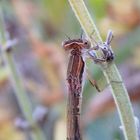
(76, 63)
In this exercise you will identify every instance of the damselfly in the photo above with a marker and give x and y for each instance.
(78, 48)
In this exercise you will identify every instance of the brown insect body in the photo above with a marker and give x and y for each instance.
(74, 77)
(75, 72)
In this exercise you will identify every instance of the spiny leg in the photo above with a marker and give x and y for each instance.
(93, 56)
(92, 81)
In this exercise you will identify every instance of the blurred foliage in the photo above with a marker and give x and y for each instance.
(60, 9)
(104, 126)
(98, 8)
(3, 73)
(9, 133)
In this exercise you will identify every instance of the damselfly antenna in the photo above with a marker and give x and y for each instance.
(82, 33)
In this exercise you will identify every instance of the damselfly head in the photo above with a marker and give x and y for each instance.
(76, 44)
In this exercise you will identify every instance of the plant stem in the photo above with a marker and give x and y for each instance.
(22, 97)
(110, 71)
(20, 93)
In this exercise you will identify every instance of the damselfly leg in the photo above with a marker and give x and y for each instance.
(92, 81)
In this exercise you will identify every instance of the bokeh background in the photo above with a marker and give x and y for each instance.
(40, 26)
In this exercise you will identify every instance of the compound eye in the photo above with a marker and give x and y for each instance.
(86, 44)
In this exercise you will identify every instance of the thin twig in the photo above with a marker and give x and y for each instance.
(22, 97)
(110, 71)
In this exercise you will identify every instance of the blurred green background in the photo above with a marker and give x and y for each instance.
(40, 28)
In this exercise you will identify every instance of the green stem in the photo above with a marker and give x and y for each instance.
(21, 95)
(110, 71)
